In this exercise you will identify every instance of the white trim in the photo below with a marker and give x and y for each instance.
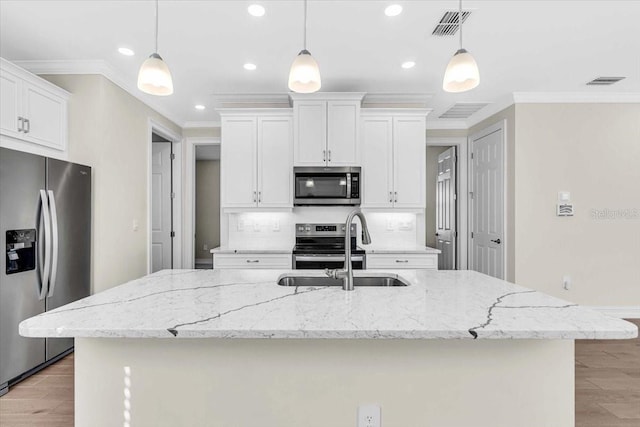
(103, 68)
(490, 110)
(576, 97)
(189, 217)
(154, 126)
(445, 124)
(396, 112)
(421, 99)
(463, 215)
(252, 99)
(622, 312)
(328, 96)
(499, 125)
(287, 112)
(201, 124)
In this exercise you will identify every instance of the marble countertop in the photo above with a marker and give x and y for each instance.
(250, 304)
(226, 250)
(409, 250)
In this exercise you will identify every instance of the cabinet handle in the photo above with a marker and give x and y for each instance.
(329, 155)
(390, 196)
(20, 124)
(396, 196)
(324, 155)
(402, 261)
(254, 197)
(28, 123)
(259, 196)
(253, 261)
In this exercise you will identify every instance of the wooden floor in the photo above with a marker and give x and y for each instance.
(607, 389)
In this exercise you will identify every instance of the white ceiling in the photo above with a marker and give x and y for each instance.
(520, 46)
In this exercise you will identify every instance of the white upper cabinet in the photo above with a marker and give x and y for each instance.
(32, 109)
(393, 158)
(256, 159)
(326, 129)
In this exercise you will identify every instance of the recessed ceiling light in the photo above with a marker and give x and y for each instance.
(408, 64)
(200, 107)
(256, 10)
(249, 66)
(126, 51)
(393, 10)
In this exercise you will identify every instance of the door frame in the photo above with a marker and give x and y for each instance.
(499, 125)
(153, 126)
(462, 205)
(189, 222)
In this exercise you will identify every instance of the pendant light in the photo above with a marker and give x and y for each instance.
(304, 76)
(462, 72)
(154, 76)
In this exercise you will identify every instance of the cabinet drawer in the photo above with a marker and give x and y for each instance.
(402, 261)
(244, 261)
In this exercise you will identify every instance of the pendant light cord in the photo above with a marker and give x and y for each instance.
(156, 51)
(305, 26)
(460, 21)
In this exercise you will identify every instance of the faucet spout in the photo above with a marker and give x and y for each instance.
(347, 273)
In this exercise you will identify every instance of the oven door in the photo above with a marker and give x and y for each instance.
(330, 261)
(325, 188)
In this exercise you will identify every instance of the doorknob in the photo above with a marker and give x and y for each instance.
(496, 241)
(437, 234)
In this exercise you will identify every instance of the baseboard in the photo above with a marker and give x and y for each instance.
(204, 261)
(622, 312)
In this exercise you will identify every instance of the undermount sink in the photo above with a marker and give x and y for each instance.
(328, 281)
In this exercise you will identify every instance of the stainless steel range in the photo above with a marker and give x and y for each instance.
(320, 246)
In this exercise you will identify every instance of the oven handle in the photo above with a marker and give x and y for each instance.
(327, 258)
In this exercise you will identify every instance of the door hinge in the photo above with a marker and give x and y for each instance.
(173, 156)
(455, 197)
(471, 155)
(471, 194)
(173, 195)
(455, 234)
(173, 234)
(472, 234)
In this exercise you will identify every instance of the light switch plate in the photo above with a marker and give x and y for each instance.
(369, 416)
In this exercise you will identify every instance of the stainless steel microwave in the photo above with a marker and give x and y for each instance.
(328, 186)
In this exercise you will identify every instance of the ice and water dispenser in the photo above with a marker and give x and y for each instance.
(21, 250)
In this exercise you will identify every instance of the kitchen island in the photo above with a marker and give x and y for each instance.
(454, 348)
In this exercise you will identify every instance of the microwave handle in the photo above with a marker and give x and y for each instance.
(348, 183)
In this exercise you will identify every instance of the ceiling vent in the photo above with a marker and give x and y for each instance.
(448, 25)
(604, 81)
(463, 110)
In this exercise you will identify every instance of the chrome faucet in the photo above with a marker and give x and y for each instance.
(346, 274)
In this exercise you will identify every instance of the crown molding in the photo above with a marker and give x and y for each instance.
(328, 96)
(230, 100)
(446, 124)
(97, 66)
(413, 99)
(576, 97)
(491, 109)
(201, 124)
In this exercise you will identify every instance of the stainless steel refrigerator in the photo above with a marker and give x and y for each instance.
(45, 223)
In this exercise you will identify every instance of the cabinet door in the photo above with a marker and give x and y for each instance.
(275, 161)
(409, 160)
(238, 162)
(47, 117)
(377, 162)
(343, 119)
(310, 137)
(10, 108)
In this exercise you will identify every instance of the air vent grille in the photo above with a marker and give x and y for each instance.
(463, 110)
(448, 25)
(604, 81)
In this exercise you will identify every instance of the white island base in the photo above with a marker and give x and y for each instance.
(321, 382)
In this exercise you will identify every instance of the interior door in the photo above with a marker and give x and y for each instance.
(487, 241)
(161, 226)
(275, 162)
(69, 188)
(377, 164)
(446, 209)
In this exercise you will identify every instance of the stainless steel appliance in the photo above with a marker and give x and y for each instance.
(45, 224)
(320, 246)
(326, 186)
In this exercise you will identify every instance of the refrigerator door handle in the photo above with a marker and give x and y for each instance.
(44, 278)
(54, 241)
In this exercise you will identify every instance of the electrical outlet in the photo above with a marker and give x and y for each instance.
(369, 416)
(276, 225)
(205, 247)
(390, 225)
(256, 226)
(135, 226)
(566, 282)
(240, 225)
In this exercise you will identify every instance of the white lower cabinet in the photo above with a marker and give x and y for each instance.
(403, 261)
(252, 261)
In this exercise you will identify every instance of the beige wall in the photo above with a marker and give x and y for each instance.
(201, 132)
(509, 116)
(207, 206)
(593, 151)
(108, 130)
(432, 174)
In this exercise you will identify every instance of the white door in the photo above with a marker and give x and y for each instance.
(161, 250)
(377, 162)
(446, 209)
(409, 160)
(487, 217)
(310, 137)
(10, 108)
(275, 162)
(46, 117)
(342, 132)
(238, 170)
